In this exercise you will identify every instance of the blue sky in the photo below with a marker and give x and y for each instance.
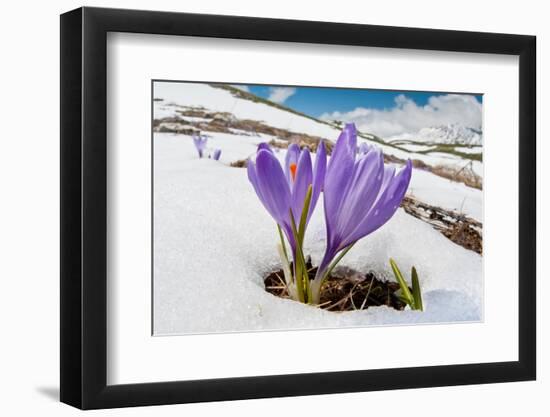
(386, 113)
(316, 101)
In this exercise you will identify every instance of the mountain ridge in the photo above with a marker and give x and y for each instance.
(450, 134)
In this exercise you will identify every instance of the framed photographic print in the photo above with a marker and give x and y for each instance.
(257, 208)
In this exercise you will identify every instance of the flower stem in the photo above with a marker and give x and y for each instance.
(282, 241)
(318, 282)
(298, 273)
(335, 262)
(301, 272)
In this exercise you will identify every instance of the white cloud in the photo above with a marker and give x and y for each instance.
(407, 117)
(280, 94)
(241, 87)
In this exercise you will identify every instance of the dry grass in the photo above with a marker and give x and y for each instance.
(460, 229)
(465, 175)
(344, 290)
(303, 141)
(240, 163)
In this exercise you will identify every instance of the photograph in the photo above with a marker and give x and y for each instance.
(281, 207)
(275, 208)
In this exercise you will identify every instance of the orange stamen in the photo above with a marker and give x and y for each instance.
(293, 171)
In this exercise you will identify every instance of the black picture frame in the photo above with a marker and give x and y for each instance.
(84, 207)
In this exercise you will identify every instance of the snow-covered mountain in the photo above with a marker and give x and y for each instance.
(451, 134)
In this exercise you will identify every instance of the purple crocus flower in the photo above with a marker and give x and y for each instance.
(200, 144)
(360, 195)
(216, 155)
(283, 189)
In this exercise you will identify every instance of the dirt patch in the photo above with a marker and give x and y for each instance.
(457, 227)
(303, 141)
(240, 163)
(466, 236)
(344, 290)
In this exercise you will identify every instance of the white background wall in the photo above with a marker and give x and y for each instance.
(29, 209)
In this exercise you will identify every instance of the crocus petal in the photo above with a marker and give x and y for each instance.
(253, 178)
(386, 205)
(301, 184)
(319, 171)
(364, 185)
(361, 194)
(347, 141)
(339, 171)
(274, 188)
(200, 144)
(389, 172)
(265, 146)
(292, 156)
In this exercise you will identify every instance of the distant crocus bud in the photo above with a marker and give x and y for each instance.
(200, 144)
(216, 155)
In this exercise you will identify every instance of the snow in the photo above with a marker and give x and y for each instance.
(214, 242)
(234, 147)
(163, 110)
(412, 147)
(431, 149)
(439, 191)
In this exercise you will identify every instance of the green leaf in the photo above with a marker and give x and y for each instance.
(283, 245)
(286, 265)
(305, 211)
(303, 223)
(399, 294)
(300, 267)
(303, 287)
(417, 295)
(406, 294)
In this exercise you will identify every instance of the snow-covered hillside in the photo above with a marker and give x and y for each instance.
(451, 134)
(216, 99)
(171, 97)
